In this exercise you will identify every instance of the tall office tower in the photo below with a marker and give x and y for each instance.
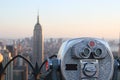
(15, 53)
(38, 55)
(9, 71)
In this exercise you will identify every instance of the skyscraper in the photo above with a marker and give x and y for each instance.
(9, 71)
(38, 54)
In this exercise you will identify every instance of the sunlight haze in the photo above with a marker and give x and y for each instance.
(63, 18)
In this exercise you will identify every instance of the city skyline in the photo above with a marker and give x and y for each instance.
(64, 18)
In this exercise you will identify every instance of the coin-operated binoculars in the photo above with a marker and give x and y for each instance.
(83, 59)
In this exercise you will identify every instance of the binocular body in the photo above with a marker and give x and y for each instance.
(83, 59)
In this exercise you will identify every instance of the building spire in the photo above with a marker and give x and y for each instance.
(38, 17)
(119, 45)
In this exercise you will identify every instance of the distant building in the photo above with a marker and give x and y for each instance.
(20, 73)
(1, 46)
(38, 55)
(10, 48)
(9, 71)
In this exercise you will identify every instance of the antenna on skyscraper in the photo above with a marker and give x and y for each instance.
(38, 16)
(119, 45)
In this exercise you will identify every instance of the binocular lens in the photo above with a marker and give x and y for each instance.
(86, 52)
(98, 52)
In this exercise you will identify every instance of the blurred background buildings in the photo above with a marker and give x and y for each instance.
(19, 68)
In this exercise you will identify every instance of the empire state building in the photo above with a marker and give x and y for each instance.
(38, 47)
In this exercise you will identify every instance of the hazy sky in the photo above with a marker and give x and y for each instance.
(60, 18)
